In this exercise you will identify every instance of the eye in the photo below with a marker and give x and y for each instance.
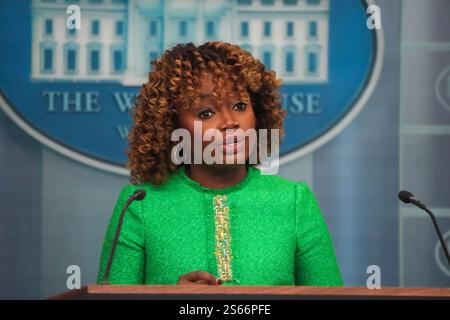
(240, 106)
(205, 113)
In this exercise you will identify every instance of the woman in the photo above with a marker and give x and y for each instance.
(223, 222)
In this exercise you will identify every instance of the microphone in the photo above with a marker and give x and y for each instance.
(408, 197)
(137, 195)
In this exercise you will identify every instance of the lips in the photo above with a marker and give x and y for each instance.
(230, 139)
(232, 144)
(233, 147)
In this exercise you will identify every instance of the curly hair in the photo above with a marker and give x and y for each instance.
(174, 82)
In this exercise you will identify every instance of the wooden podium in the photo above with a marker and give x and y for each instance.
(204, 292)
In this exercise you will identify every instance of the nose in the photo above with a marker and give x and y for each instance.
(229, 121)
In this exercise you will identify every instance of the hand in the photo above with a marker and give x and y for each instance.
(199, 277)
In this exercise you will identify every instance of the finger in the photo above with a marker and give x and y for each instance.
(195, 283)
(184, 281)
(197, 275)
(203, 275)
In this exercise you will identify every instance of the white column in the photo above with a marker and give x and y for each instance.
(36, 31)
(200, 22)
(225, 25)
(130, 73)
(59, 38)
(234, 25)
(165, 22)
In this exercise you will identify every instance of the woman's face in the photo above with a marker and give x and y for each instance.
(229, 114)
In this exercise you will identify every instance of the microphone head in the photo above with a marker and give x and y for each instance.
(139, 195)
(405, 196)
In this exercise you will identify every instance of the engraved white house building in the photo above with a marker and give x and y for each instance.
(119, 38)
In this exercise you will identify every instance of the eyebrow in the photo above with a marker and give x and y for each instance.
(206, 95)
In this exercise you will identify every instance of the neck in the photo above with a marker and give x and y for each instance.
(216, 177)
